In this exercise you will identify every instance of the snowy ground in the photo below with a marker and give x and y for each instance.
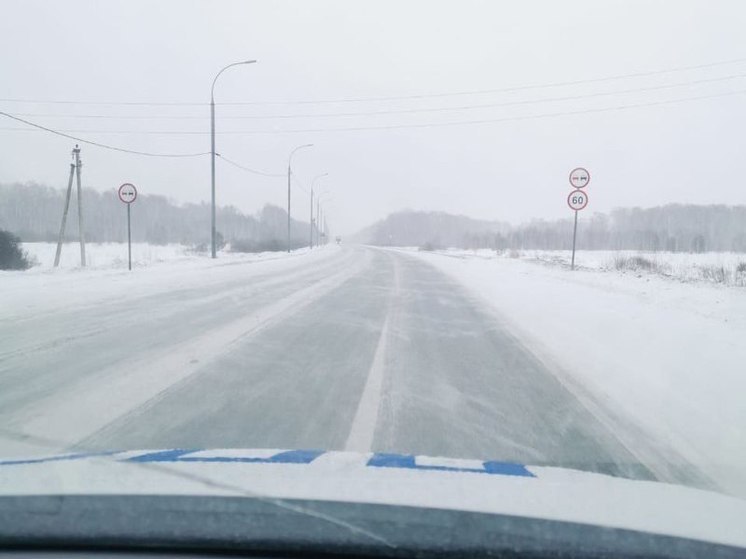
(667, 354)
(727, 268)
(155, 269)
(114, 255)
(389, 353)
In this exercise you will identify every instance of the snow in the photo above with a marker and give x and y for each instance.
(666, 354)
(43, 288)
(108, 255)
(86, 408)
(553, 493)
(683, 266)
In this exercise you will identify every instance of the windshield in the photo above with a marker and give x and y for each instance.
(434, 239)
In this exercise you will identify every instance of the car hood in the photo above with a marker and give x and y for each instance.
(388, 479)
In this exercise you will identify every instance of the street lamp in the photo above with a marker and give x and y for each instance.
(318, 215)
(290, 172)
(313, 183)
(212, 146)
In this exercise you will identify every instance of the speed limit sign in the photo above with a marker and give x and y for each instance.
(577, 200)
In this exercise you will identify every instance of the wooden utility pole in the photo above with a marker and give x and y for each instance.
(75, 168)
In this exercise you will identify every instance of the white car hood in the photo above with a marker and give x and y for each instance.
(390, 479)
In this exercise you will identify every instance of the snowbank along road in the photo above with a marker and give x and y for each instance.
(353, 348)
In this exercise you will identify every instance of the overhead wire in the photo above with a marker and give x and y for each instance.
(491, 120)
(299, 183)
(248, 169)
(405, 111)
(393, 97)
(149, 154)
(294, 178)
(381, 127)
(99, 144)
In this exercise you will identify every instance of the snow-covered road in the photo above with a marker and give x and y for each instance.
(345, 348)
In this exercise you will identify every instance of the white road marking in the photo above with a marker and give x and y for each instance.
(363, 427)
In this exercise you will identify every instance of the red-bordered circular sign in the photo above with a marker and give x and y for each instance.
(127, 193)
(577, 200)
(579, 177)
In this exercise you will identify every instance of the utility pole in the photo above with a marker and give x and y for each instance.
(213, 231)
(310, 223)
(81, 233)
(318, 213)
(61, 238)
(75, 168)
(313, 185)
(290, 173)
(213, 239)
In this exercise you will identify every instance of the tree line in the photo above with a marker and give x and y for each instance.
(673, 228)
(33, 212)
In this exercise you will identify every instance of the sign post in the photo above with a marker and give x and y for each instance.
(128, 194)
(577, 200)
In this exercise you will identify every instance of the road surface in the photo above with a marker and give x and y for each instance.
(366, 350)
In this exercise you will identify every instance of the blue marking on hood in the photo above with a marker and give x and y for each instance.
(409, 461)
(181, 455)
(377, 460)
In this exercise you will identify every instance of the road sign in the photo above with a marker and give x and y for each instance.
(579, 178)
(577, 200)
(127, 193)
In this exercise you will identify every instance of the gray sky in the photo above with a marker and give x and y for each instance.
(169, 51)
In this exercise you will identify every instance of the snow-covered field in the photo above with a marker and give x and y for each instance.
(728, 268)
(43, 288)
(669, 355)
(114, 255)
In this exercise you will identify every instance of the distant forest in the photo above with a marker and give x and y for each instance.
(673, 228)
(34, 212)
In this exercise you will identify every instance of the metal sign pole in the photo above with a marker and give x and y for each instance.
(129, 240)
(574, 236)
(577, 200)
(127, 194)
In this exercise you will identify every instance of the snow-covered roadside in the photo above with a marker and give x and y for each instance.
(728, 268)
(114, 255)
(155, 268)
(668, 355)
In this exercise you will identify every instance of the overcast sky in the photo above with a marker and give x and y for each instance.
(513, 167)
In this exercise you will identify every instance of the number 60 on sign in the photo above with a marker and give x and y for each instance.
(577, 200)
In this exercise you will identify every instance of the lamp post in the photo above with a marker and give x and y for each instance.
(290, 172)
(311, 221)
(319, 217)
(212, 148)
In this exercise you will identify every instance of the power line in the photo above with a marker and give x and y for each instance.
(300, 184)
(296, 180)
(416, 125)
(407, 111)
(494, 120)
(97, 144)
(390, 98)
(247, 169)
